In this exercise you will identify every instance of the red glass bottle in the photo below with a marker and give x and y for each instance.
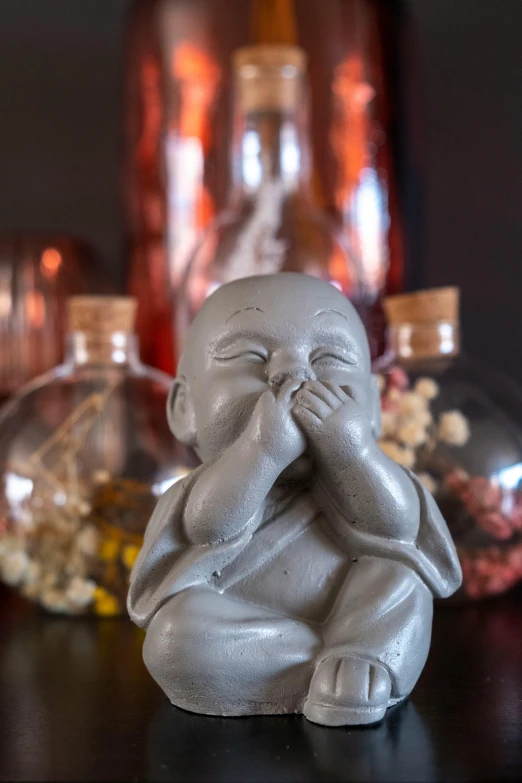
(37, 274)
(179, 124)
(272, 223)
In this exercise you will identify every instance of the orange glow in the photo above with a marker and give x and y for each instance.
(358, 192)
(339, 270)
(199, 77)
(274, 22)
(151, 95)
(35, 308)
(50, 262)
(351, 130)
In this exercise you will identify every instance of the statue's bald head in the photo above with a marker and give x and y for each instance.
(249, 336)
(283, 299)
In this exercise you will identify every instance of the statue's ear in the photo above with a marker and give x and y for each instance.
(375, 408)
(180, 412)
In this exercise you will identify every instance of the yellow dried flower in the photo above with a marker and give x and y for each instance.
(108, 550)
(427, 388)
(453, 428)
(105, 604)
(129, 555)
(411, 433)
(381, 383)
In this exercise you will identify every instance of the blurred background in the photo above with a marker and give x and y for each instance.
(151, 150)
(454, 71)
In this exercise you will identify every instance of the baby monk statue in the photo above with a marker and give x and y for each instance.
(295, 569)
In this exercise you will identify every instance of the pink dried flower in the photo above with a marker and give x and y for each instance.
(490, 571)
(397, 378)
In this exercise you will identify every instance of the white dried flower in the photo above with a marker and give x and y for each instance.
(31, 591)
(84, 508)
(8, 545)
(49, 580)
(76, 565)
(54, 600)
(87, 540)
(101, 477)
(427, 388)
(403, 456)
(424, 418)
(394, 394)
(14, 567)
(412, 403)
(388, 423)
(411, 433)
(33, 573)
(453, 428)
(428, 481)
(80, 592)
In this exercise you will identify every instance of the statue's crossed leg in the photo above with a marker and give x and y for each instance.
(235, 658)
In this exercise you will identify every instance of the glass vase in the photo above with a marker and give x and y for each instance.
(85, 452)
(458, 424)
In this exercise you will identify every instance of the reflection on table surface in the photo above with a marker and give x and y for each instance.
(77, 704)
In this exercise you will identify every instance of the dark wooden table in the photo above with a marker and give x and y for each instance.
(77, 704)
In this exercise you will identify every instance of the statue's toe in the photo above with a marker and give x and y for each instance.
(347, 691)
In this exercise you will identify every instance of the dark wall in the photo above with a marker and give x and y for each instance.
(60, 144)
(60, 106)
(469, 83)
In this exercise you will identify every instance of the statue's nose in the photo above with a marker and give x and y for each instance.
(297, 374)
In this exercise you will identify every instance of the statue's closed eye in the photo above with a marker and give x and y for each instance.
(329, 358)
(251, 356)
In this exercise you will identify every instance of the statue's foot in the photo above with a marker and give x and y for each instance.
(348, 691)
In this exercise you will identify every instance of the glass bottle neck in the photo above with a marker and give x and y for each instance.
(115, 349)
(411, 342)
(270, 150)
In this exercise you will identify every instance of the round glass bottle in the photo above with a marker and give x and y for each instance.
(85, 452)
(458, 425)
(272, 224)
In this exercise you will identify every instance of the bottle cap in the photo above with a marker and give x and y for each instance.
(101, 314)
(269, 76)
(424, 324)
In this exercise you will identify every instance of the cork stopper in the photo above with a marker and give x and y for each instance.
(269, 76)
(424, 324)
(435, 304)
(101, 315)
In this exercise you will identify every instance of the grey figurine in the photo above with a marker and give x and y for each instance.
(293, 571)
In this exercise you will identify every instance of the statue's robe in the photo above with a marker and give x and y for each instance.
(237, 626)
